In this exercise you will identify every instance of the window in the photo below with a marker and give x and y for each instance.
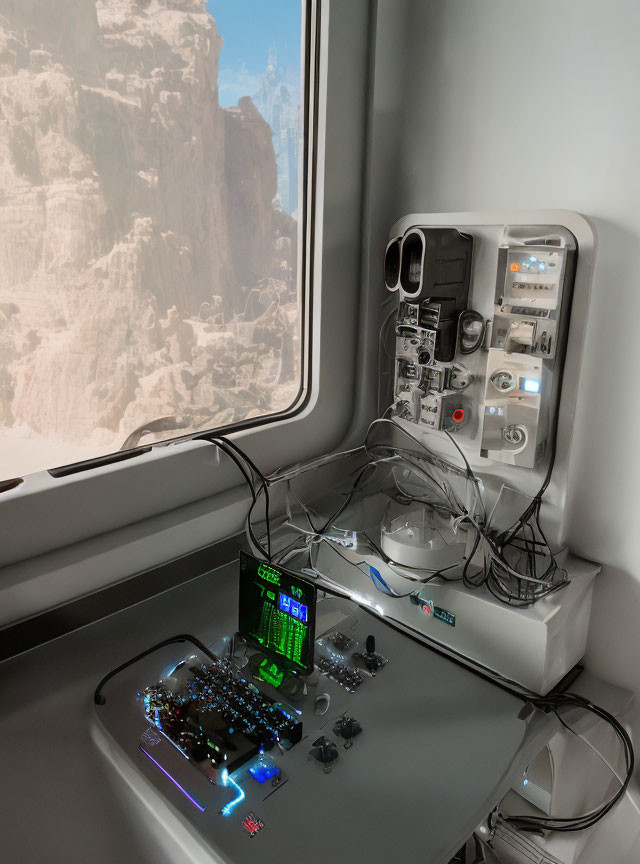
(151, 200)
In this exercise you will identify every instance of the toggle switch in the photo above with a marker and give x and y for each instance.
(522, 332)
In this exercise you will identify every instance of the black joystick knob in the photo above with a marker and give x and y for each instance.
(347, 728)
(371, 644)
(324, 751)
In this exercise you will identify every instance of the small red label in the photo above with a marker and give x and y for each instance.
(252, 824)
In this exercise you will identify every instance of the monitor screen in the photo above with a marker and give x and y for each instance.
(277, 613)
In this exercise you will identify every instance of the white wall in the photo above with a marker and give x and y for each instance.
(520, 105)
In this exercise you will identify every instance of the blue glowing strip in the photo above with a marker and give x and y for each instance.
(226, 810)
(175, 782)
(286, 714)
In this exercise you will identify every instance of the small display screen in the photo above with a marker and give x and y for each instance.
(277, 613)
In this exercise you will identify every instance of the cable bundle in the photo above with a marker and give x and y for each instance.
(253, 477)
(554, 702)
(518, 568)
(524, 539)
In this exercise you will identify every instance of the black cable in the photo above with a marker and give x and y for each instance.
(391, 592)
(391, 563)
(99, 699)
(231, 450)
(264, 481)
(500, 574)
(348, 498)
(578, 823)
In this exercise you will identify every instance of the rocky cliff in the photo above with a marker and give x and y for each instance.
(146, 272)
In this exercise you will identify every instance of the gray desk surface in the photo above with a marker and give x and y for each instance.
(445, 747)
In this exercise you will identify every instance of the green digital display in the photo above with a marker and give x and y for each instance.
(277, 613)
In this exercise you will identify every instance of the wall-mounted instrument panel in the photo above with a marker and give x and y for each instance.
(505, 401)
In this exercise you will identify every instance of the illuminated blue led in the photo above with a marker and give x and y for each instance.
(525, 782)
(264, 771)
(530, 385)
(542, 266)
(228, 808)
(532, 259)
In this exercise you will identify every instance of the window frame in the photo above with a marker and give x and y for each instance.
(304, 277)
(65, 537)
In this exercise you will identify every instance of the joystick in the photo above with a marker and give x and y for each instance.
(347, 728)
(371, 660)
(324, 751)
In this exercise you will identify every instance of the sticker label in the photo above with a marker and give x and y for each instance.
(150, 737)
(252, 824)
(444, 615)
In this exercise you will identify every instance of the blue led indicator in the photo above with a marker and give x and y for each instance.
(530, 385)
(533, 259)
(263, 772)
(525, 782)
(542, 267)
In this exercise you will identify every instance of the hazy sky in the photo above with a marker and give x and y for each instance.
(249, 29)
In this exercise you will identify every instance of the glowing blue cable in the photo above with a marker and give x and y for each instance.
(227, 778)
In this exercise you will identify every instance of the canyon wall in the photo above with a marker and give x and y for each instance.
(146, 277)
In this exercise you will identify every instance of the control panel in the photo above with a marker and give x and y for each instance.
(529, 325)
(216, 717)
(236, 754)
(433, 279)
(220, 731)
(489, 378)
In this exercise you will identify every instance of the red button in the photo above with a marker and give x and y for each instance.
(458, 415)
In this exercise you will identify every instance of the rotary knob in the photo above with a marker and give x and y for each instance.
(347, 728)
(515, 435)
(503, 380)
(324, 751)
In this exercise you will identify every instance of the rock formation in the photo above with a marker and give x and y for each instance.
(146, 272)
